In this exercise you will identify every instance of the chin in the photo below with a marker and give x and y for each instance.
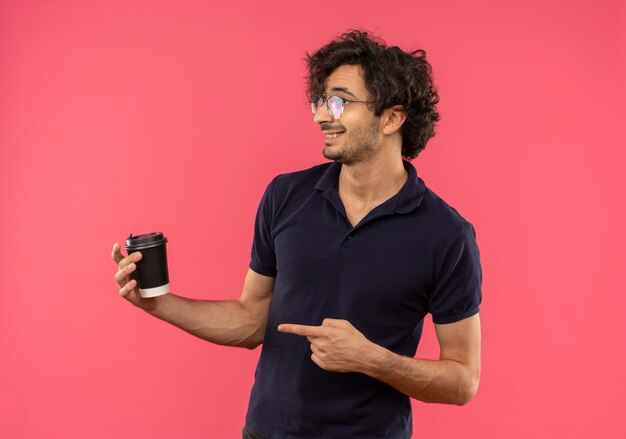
(328, 154)
(338, 158)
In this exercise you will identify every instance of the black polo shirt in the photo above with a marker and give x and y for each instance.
(412, 255)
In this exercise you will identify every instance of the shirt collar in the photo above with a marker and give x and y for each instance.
(406, 200)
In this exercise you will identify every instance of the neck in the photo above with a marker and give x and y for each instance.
(372, 181)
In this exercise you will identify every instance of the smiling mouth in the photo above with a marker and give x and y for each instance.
(334, 135)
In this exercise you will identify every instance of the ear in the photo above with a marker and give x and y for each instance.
(393, 119)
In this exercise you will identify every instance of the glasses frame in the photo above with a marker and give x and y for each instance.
(315, 106)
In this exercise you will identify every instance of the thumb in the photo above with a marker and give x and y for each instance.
(116, 255)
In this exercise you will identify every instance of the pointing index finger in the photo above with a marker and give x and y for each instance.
(304, 330)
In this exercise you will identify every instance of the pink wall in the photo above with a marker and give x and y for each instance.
(119, 117)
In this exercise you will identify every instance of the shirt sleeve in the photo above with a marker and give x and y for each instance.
(457, 293)
(263, 256)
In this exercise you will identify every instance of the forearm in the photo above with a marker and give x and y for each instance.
(431, 381)
(224, 322)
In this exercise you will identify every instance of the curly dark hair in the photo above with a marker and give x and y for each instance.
(392, 77)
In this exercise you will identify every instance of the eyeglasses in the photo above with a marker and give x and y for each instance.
(334, 104)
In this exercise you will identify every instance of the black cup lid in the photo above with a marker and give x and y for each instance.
(145, 240)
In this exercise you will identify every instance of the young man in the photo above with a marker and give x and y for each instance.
(348, 257)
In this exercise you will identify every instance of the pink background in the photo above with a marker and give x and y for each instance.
(120, 117)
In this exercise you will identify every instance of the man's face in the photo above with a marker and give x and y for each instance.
(360, 137)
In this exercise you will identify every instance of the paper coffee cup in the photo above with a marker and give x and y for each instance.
(151, 272)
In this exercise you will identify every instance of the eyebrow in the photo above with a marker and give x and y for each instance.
(345, 90)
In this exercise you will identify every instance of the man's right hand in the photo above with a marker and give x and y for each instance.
(128, 286)
(239, 322)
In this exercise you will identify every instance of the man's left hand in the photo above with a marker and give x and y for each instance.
(337, 346)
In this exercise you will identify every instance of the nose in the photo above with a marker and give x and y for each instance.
(323, 115)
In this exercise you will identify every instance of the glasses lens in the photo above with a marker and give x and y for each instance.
(316, 105)
(335, 106)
